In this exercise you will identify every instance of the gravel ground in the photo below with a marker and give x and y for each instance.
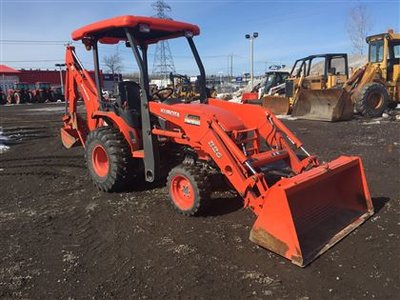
(61, 238)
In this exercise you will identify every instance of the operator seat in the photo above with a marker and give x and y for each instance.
(128, 102)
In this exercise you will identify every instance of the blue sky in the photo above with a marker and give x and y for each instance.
(287, 29)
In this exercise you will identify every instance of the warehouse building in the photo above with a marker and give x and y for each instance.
(9, 76)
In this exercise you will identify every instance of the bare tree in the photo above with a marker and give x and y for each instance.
(358, 24)
(113, 63)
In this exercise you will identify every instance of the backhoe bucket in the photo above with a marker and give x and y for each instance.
(278, 105)
(323, 105)
(305, 215)
(69, 137)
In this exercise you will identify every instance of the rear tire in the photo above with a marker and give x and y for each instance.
(188, 189)
(109, 160)
(372, 100)
(9, 99)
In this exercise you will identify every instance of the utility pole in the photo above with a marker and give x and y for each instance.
(231, 66)
(61, 77)
(251, 38)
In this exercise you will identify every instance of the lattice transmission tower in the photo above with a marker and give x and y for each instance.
(163, 61)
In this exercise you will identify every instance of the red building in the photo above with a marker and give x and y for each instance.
(33, 76)
(9, 76)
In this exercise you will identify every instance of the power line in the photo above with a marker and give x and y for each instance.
(163, 62)
(36, 60)
(35, 42)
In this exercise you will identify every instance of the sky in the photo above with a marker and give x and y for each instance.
(33, 33)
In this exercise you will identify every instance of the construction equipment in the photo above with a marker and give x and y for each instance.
(43, 92)
(20, 93)
(184, 88)
(270, 92)
(370, 90)
(376, 86)
(303, 207)
(311, 91)
(57, 94)
(274, 83)
(3, 98)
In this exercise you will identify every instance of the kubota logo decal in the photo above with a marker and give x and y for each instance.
(170, 112)
(215, 149)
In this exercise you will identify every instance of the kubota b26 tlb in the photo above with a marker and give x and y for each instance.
(303, 207)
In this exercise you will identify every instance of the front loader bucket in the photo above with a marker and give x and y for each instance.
(323, 105)
(305, 215)
(278, 105)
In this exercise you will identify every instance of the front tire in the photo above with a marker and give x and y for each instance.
(109, 160)
(372, 100)
(188, 189)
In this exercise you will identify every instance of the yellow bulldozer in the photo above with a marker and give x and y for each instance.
(332, 96)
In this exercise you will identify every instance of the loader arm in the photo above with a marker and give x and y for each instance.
(212, 141)
(367, 73)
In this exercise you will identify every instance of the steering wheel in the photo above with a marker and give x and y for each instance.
(159, 94)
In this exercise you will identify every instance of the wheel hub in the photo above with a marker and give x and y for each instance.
(182, 192)
(375, 100)
(100, 161)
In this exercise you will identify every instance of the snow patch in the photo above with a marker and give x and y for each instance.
(371, 123)
(3, 140)
(286, 117)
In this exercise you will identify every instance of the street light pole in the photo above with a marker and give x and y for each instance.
(251, 38)
(61, 77)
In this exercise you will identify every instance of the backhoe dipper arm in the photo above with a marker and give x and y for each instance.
(79, 83)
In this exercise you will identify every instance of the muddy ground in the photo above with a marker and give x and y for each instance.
(61, 238)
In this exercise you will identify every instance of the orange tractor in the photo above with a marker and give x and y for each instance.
(302, 206)
(3, 98)
(42, 92)
(20, 93)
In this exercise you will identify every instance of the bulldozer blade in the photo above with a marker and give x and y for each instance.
(278, 105)
(69, 137)
(323, 105)
(305, 215)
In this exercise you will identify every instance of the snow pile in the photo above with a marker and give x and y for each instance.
(3, 140)
(357, 61)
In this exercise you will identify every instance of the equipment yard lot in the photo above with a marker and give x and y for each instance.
(60, 237)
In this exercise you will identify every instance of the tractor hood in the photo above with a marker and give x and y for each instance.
(226, 119)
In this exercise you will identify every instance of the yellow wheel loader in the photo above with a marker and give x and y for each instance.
(314, 79)
(376, 86)
(369, 91)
